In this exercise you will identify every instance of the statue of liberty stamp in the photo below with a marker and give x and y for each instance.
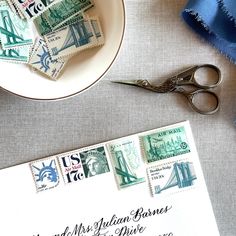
(128, 164)
(45, 174)
(15, 31)
(41, 60)
(164, 144)
(71, 39)
(171, 177)
(94, 161)
(71, 167)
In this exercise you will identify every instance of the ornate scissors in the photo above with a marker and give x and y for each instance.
(188, 77)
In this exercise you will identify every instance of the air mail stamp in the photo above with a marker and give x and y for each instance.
(33, 8)
(71, 39)
(171, 177)
(45, 173)
(94, 161)
(71, 167)
(15, 32)
(164, 144)
(41, 61)
(127, 161)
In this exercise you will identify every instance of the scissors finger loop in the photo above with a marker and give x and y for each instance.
(208, 104)
(206, 76)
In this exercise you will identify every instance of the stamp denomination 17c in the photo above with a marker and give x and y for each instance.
(127, 162)
(32, 8)
(164, 144)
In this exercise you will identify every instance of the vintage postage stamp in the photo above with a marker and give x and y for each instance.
(18, 55)
(62, 11)
(42, 25)
(33, 8)
(71, 39)
(15, 32)
(15, 9)
(164, 144)
(44, 28)
(171, 177)
(41, 61)
(81, 164)
(97, 30)
(45, 174)
(71, 167)
(94, 161)
(127, 161)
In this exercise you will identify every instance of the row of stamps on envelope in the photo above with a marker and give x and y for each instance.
(168, 149)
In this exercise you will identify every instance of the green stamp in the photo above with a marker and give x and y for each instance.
(94, 162)
(60, 12)
(15, 55)
(165, 144)
(44, 28)
(42, 25)
(14, 31)
(127, 162)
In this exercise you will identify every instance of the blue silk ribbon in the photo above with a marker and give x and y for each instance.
(215, 21)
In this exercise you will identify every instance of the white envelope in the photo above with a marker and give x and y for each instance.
(99, 205)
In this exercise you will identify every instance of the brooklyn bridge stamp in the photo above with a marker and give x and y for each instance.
(164, 144)
(71, 39)
(45, 174)
(171, 177)
(15, 32)
(127, 162)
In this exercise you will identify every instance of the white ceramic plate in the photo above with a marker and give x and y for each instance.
(82, 71)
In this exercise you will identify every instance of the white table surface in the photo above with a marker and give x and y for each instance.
(157, 43)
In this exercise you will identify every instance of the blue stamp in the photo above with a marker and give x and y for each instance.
(171, 177)
(42, 62)
(45, 174)
(73, 38)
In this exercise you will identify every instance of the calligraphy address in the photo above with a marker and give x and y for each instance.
(125, 226)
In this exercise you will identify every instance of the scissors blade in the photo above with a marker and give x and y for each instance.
(127, 82)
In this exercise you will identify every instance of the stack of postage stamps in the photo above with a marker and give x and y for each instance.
(64, 28)
(165, 153)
